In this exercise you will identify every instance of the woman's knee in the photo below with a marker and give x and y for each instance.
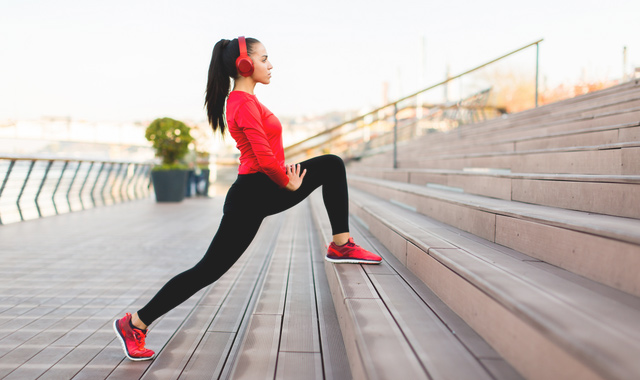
(335, 161)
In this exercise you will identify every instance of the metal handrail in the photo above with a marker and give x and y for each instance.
(69, 184)
(298, 147)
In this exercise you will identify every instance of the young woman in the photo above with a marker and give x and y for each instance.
(265, 186)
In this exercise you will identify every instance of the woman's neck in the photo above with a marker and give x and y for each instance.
(244, 84)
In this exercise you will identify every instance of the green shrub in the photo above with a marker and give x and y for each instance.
(171, 141)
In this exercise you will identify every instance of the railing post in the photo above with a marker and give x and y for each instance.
(6, 179)
(95, 183)
(537, 69)
(86, 177)
(129, 186)
(24, 184)
(53, 196)
(113, 187)
(71, 185)
(395, 135)
(124, 185)
(136, 179)
(106, 183)
(44, 178)
(147, 180)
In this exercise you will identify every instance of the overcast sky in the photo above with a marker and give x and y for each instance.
(123, 60)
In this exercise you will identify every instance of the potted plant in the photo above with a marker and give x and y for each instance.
(171, 139)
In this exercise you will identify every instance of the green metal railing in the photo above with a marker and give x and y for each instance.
(385, 126)
(36, 187)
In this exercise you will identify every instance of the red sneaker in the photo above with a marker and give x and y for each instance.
(132, 339)
(351, 253)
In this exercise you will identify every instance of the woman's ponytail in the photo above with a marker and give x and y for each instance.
(221, 70)
(218, 85)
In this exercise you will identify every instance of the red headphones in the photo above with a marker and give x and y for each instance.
(244, 64)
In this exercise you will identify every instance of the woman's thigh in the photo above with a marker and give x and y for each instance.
(319, 170)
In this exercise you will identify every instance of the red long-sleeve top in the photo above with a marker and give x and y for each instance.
(258, 135)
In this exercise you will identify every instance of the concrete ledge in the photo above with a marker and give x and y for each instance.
(607, 250)
(617, 195)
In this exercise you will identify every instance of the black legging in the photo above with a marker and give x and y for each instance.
(249, 200)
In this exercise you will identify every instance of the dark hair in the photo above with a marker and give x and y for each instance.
(221, 70)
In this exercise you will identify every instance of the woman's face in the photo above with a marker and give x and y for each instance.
(261, 65)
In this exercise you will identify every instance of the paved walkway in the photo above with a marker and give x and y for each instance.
(64, 279)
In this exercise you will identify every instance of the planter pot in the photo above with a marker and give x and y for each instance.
(169, 185)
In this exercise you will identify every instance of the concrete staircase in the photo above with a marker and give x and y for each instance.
(511, 248)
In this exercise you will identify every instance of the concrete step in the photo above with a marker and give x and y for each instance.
(609, 134)
(560, 114)
(597, 130)
(600, 247)
(545, 321)
(605, 100)
(601, 194)
(393, 326)
(530, 154)
(608, 159)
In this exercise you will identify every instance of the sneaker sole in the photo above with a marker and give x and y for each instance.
(124, 345)
(351, 261)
